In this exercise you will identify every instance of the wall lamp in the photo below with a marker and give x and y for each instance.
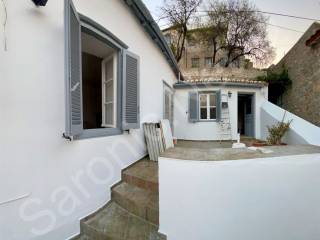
(40, 2)
(230, 94)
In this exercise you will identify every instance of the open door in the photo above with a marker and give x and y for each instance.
(246, 116)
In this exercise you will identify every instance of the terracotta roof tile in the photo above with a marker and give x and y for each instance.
(225, 80)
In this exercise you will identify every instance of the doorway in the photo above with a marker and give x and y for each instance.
(246, 114)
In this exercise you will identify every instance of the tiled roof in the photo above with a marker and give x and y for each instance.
(225, 80)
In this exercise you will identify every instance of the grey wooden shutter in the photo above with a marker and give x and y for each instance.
(218, 94)
(193, 107)
(74, 118)
(131, 96)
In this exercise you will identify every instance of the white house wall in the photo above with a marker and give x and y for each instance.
(268, 198)
(211, 130)
(60, 181)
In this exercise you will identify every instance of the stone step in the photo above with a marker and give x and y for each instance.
(143, 174)
(138, 201)
(115, 223)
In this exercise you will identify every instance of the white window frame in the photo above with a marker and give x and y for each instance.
(208, 106)
(105, 81)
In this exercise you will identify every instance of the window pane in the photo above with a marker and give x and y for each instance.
(213, 113)
(203, 100)
(109, 114)
(208, 62)
(203, 113)
(109, 91)
(213, 100)
(195, 62)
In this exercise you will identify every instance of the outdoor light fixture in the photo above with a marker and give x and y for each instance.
(40, 2)
(230, 94)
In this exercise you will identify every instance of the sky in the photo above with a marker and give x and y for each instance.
(282, 40)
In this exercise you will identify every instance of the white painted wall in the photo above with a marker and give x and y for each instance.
(66, 180)
(270, 198)
(211, 130)
(300, 132)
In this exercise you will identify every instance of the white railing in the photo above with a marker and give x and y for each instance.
(301, 131)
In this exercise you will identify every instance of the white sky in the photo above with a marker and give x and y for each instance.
(281, 39)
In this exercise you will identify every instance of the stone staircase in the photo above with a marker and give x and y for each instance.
(133, 212)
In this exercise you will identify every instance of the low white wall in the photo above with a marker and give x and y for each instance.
(301, 131)
(183, 129)
(271, 198)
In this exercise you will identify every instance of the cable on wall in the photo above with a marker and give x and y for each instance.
(5, 24)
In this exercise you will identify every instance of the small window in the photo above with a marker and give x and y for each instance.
(195, 62)
(208, 106)
(208, 62)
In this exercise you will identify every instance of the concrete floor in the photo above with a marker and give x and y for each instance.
(215, 151)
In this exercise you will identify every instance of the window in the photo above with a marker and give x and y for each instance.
(208, 62)
(99, 100)
(208, 106)
(195, 62)
(99, 83)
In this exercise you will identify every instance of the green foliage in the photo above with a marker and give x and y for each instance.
(281, 78)
(278, 83)
(277, 132)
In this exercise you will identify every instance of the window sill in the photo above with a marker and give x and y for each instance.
(208, 120)
(98, 133)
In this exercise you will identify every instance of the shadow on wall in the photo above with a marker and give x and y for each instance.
(301, 131)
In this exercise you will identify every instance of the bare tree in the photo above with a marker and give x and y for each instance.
(179, 13)
(239, 30)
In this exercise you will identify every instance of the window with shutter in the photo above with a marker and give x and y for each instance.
(131, 99)
(99, 98)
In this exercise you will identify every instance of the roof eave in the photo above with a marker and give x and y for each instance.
(146, 20)
(185, 85)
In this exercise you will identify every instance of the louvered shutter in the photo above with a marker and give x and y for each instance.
(193, 107)
(74, 118)
(131, 96)
(218, 94)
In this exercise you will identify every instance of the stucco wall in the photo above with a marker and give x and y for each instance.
(270, 198)
(183, 129)
(303, 64)
(61, 181)
(300, 132)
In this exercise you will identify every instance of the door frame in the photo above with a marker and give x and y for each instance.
(253, 108)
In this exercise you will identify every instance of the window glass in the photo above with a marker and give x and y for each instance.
(213, 100)
(208, 62)
(203, 113)
(195, 62)
(207, 106)
(213, 113)
(203, 100)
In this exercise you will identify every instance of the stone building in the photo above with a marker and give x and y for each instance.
(197, 61)
(303, 64)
